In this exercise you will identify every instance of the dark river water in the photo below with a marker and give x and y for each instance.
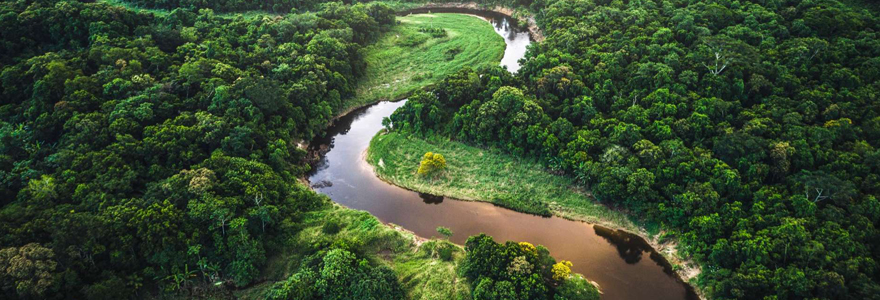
(624, 265)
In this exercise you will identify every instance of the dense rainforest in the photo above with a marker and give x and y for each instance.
(749, 130)
(149, 154)
(140, 148)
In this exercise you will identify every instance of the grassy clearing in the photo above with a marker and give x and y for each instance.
(485, 175)
(423, 274)
(427, 277)
(405, 59)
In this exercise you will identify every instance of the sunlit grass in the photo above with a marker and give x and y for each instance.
(427, 277)
(404, 59)
(485, 175)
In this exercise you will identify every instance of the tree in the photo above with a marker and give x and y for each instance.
(28, 270)
(577, 288)
(431, 163)
(446, 232)
(724, 51)
(818, 186)
(561, 270)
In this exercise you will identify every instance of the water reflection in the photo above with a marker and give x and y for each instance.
(517, 40)
(431, 199)
(629, 247)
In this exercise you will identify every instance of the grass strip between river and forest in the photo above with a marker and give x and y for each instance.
(477, 174)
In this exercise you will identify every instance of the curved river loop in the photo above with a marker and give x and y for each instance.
(623, 264)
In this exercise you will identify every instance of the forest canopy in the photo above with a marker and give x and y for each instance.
(144, 149)
(748, 129)
(139, 149)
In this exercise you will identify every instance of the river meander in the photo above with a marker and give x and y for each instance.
(623, 264)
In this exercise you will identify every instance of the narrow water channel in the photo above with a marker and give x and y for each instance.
(624, 265)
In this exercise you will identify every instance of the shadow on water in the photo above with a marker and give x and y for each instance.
(431, 199)
(340, 126)
(632, 247)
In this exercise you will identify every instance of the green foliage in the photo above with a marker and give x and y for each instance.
(520, 271)
(338, 274)
(527, 203)
(331, 227)
(27, 271)
(446, 232)
(405, 60)
(434, 32)
(479, 174)
(577, 288)
(451, 53)
(445, 252)
(145, 149)
(423, 271)
(426, 277)
(749, 128)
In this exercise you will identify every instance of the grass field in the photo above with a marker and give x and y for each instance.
(483, 175)
(405, 59)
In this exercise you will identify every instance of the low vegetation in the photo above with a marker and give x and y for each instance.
(474, 173)
(422, 50)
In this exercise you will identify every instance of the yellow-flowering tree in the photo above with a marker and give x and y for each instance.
(431, 162)
(528, 248)
(561, 270)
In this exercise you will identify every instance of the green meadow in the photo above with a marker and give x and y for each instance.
(478, 174)
(421, 50)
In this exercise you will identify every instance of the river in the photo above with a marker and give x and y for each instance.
(623, 264)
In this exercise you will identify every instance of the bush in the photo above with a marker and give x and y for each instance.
(332, 226)
(431, 163)
(523, 203)
(445, 252)
(451, 53)
(577, 288)
(434, 32)
(412, 39)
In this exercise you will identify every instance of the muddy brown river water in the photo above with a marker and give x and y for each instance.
(623, 264)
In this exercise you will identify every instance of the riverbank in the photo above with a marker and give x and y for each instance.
(422, 50)
(523, 18)
(477, 174)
